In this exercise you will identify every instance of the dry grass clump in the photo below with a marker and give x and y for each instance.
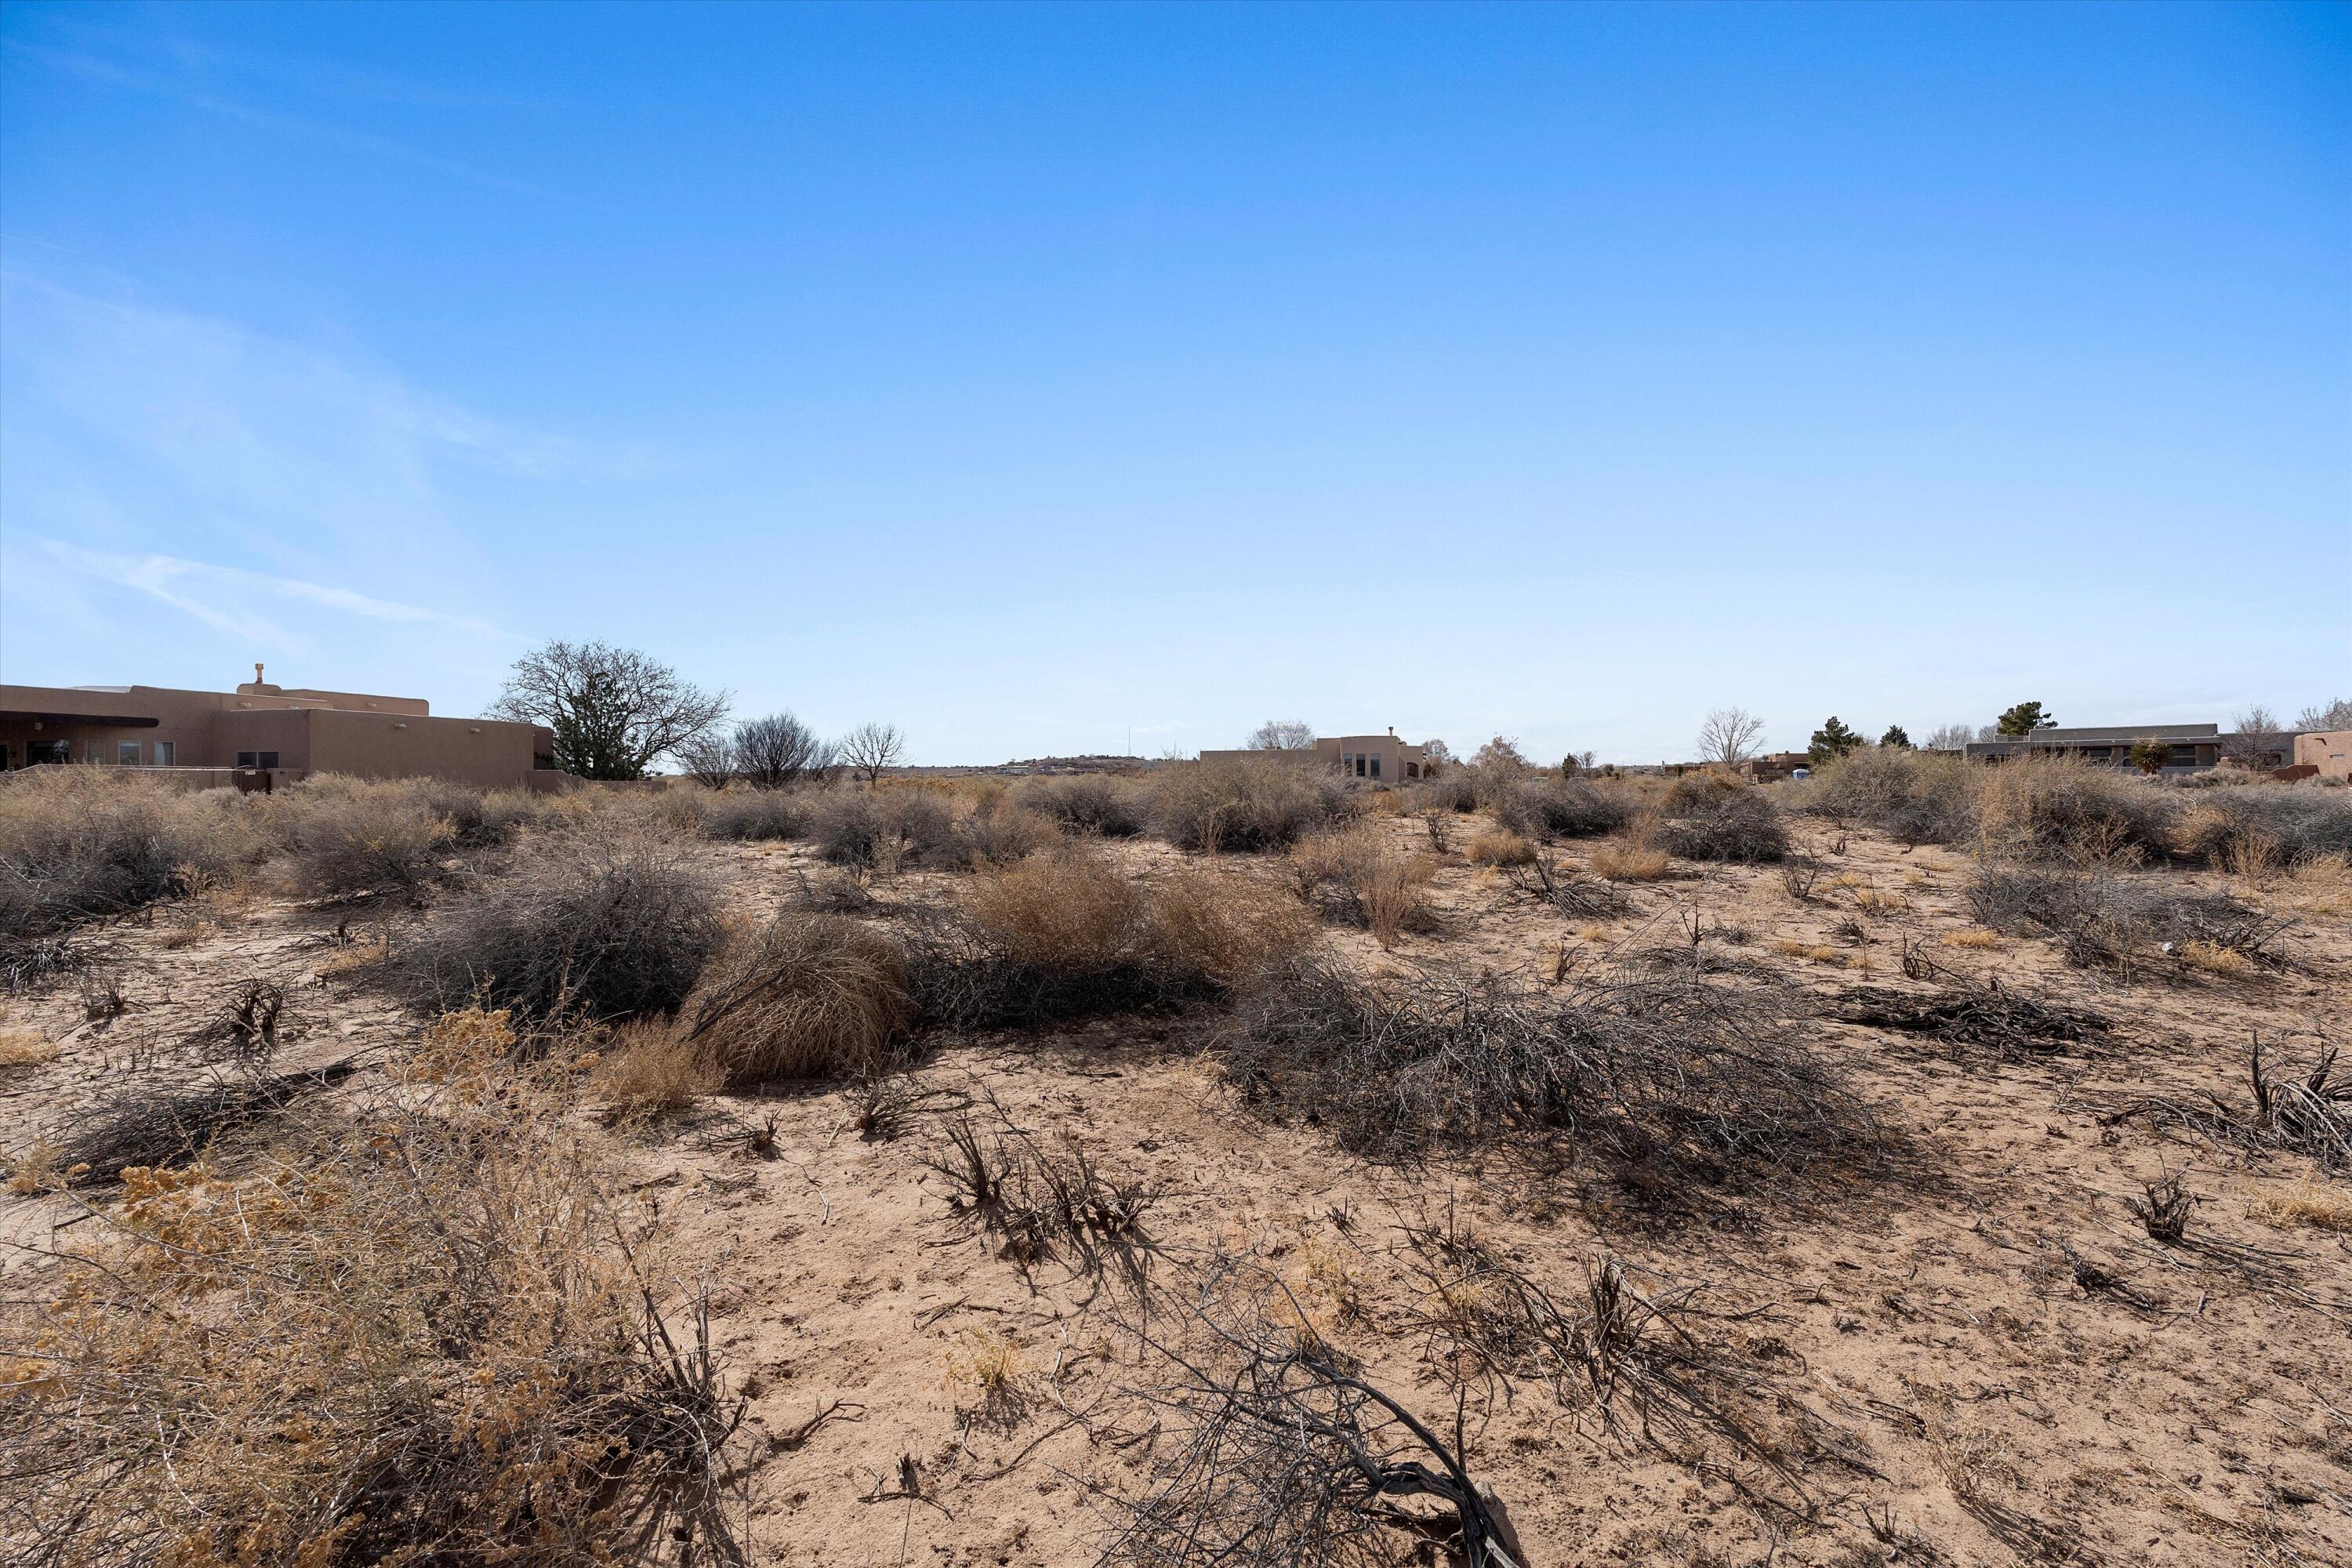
(1708, 818)
(1357, 874)
(1918, 798)
(605, 917)
(2101, 919)
(1977, 940)
(1499, 847)
(2322, 1205)
(2255, 829)
(1089, 803)
(647, 1071)
(1064, 936)
(1040, 1196)
(1666, 1085)
(1000, 829)
(1066, 911)
(81, 844)
(886, 829)
(756, 815)
(418, 1330)
(23, 1048)
(1561, 808)
(807, 997)
(2064, 807)
(1242, 805)
(1226, 927)
(1632, 858)
(350, 836)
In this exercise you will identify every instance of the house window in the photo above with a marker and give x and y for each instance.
(127, 753)
(1360, 764)
(164, 752)
(256, 759)
(1376, 766)
(46, 752)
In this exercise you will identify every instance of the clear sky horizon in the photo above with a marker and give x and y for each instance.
(1054, 379)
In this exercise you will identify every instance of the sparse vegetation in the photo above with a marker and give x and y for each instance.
(1110, 808)
(805, 996)
(1242, 806)
(603, 917)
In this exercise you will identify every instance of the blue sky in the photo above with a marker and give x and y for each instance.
(1039, 378)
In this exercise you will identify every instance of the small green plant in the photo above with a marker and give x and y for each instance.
(2149, 756)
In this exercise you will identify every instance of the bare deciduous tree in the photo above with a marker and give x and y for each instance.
(1501, 753)
(778, 749)
(709, 760)
(2336, 715)
(1728, 736)
(2256, 737)
(1948, 737)
(1282, 736)
(614, 710)
(870, 748)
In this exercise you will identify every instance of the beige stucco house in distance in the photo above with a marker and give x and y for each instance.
(2329, 751)
(282, 732)
(1377, 759)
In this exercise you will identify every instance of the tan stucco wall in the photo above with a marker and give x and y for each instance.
(307, 729)
(2329, 751)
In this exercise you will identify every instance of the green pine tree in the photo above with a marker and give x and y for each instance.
(2023, 720)
(1832, 741)
(1895, 736)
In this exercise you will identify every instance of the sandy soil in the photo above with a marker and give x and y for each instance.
(2197, 1410)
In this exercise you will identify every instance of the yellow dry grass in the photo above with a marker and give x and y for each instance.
(1972, 936)
(1629, 861)
(647, 1072)
(1067, 910)
(1499, 847)
(2208, 958)
(2310, 1202)
(807, 997)
(23, 1048)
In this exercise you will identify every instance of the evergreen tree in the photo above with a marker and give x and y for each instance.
(1832, 741)
(2022, 721)
(1895, 736)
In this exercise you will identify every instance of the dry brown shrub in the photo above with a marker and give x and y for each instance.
(1634, 858)
(2310, 1202)
(647, 1072)
(1251, 805)
(1972, 938)
(2052, 805)
(807, 997)
(1071, 911)
(82, 844)
(414, 1328)
(22, 1047)
(1224, 927)
(2211, 958)
(1499, 847)
(1359, 875)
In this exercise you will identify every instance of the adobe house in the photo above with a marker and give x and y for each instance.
(1377, 759)
(275, 732)
(2328, 751)
(2189, 748)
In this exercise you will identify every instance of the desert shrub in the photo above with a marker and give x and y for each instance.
(2287, 824)
(1919, 797)
(2054, 805)
(2101, 919)
(1063, 911)
(1226, 927)
(417, 1329)
(1662, 1083)
(885, 829)
(999, 831)
(353, 835)
(645, 1071)
(1543, 808)
(1632, 856)
(807, 997)
(1499, 847)
(1065, 936)
(1710, 818)
(1357, 874)
(607, 917)
(80, 844)
(1089, 803)
(764, 815)
(477, 819)
(1242, 805)
(1457, 790)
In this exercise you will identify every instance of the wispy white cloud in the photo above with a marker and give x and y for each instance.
(224, 598)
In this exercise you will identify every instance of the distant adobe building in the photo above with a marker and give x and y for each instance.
(2189, 748)
(275, 732)
(1380, 759)
(2329, 751)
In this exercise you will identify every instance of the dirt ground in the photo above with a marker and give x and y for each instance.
(2019, 1371)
